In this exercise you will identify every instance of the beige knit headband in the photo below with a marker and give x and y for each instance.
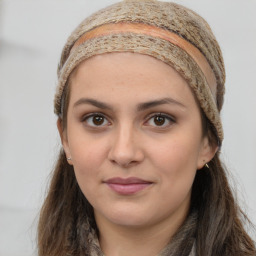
(145, 29)
(133, 26)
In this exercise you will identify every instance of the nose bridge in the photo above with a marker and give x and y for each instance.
(125, 147)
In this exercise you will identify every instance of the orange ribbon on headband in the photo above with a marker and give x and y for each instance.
(145, 29)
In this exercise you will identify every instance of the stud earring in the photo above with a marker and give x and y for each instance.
(207, 166)
(69, 158)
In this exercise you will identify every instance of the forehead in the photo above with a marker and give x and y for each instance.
(116, 76)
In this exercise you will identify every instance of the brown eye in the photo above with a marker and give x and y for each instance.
(159, 120)
(96, 120)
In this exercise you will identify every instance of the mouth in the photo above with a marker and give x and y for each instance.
(127, 186)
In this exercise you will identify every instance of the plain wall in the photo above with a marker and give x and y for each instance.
(32, 34)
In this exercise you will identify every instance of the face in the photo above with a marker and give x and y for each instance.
(134, 135)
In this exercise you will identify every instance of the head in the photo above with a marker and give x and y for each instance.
(140, 90)
(111, 81)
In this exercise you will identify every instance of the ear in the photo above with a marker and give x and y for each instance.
(207, 152)
(64, 140)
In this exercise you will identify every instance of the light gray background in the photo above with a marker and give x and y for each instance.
(32, 34)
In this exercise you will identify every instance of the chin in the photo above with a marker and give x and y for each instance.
(125, 216)
(129, 220)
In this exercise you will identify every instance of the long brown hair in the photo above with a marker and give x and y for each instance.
(216, 227)
(67, 220)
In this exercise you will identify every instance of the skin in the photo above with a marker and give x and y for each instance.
(149, 127)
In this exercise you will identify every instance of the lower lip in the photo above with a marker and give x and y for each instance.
(128, 189)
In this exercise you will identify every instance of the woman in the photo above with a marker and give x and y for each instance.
(141, 85)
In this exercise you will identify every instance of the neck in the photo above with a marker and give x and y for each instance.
(116, 240)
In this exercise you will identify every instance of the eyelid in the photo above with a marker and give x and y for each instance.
(84, 116)
(169, 117)
(93, 114)
(161, 114)
(164, 115)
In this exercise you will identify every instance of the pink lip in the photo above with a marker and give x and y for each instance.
(127, 186)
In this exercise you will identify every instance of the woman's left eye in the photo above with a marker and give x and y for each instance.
(160, 120)
(96, 120)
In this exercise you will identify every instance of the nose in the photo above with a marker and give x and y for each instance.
(126, 148)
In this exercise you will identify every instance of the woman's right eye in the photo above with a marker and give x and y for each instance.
(96, 120)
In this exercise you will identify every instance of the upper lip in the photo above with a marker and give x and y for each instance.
(125, 181)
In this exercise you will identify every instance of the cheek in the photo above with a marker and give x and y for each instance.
(88, 155)
(176, 162)
(177, 152)
(88, 158)
(177, 172)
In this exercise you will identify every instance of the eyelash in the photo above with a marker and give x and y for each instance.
(94, 115)
(104, 119)
(170, 119)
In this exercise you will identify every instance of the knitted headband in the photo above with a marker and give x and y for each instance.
(167, 31)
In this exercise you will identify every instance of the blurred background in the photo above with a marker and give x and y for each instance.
(32, 34)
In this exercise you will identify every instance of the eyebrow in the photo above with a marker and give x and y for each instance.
(93, 102)
(154, 103)
(140, 107)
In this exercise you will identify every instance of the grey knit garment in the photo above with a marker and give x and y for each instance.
(184, 238)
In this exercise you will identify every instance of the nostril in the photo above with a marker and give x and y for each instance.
(122, 161)
(125, 151)
(126, 158)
